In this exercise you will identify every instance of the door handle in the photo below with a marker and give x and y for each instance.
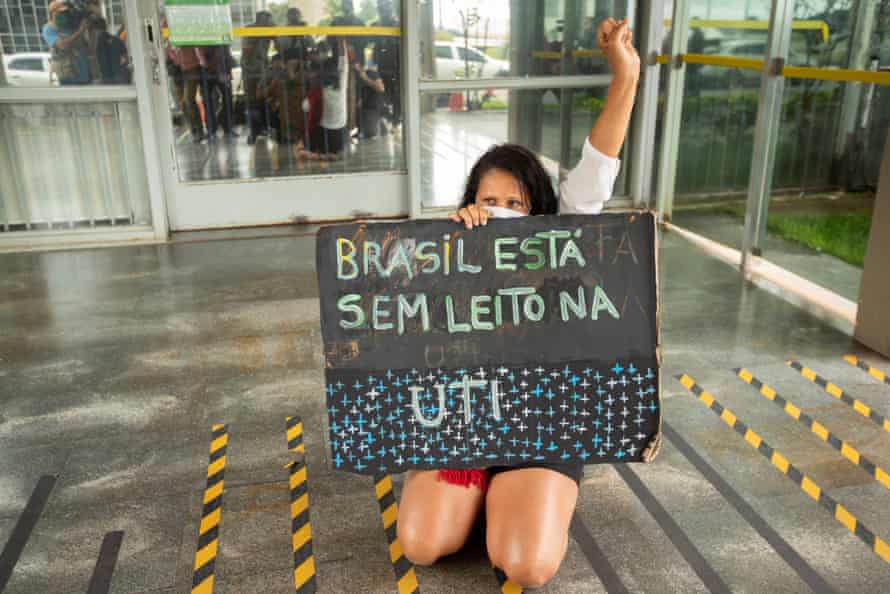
(148, 23)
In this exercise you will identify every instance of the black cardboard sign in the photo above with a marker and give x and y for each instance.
(526, 340)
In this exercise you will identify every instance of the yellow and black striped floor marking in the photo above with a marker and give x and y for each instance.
(863, 409)
(875, 373)
(301, 528)
(406, 577)
(208, 532)
(507, 587)
(818, 429)
(295, 435)
(840, 513)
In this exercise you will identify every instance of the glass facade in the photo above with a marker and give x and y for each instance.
(71, 166)
(830, 141)
(290, 105)
(525, 38)
(317, 101)
(68, 163)
(553, 123)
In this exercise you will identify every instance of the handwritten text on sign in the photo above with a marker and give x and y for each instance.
(520, 341)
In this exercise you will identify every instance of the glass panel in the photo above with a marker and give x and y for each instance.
(736, 29)
(278, 106)
(714, 156)
(456, 128)
(719, 116)
(513, 37)
(71, 166)
(830, 147)
(839, 34)
(82, 42)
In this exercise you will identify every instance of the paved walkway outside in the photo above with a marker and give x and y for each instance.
(114, 365)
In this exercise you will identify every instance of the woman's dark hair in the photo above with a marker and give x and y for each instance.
(522, 164)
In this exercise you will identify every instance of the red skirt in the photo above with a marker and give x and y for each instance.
(465, 478)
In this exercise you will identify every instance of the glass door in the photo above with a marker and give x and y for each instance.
(292, 114)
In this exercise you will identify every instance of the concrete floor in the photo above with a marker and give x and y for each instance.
(115, 363)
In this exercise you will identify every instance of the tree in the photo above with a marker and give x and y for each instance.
(367, 12)
(279, 12)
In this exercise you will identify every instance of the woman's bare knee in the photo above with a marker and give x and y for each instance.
(531, 571)
(435, 518)
(424, 545)
(529, 511)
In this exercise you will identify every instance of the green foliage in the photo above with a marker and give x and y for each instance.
(367, 11)
(279, 12)
(842, 235)
(494, 103)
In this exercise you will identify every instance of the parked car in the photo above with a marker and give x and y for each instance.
(29, 69)
(452, 60)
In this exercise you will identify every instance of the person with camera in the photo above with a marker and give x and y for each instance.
(66, 35)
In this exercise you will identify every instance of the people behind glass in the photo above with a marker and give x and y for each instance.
(389, 65)
(82, 51)
(295, 90)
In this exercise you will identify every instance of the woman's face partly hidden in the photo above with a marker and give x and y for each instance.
(500, 189)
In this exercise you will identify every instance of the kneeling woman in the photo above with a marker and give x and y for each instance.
(527, 508)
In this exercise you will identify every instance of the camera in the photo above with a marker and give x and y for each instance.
(82, 9)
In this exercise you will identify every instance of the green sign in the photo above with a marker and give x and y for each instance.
(199, 22)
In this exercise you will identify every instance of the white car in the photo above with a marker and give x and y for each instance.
(453, 60)
(29, 69)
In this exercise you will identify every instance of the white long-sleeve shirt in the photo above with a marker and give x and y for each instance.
(333, 115)
(590, 183)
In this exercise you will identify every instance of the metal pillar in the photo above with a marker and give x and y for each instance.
(524, 106)
(673, 112)
(863, 27)
(574, 11)
(642, 148)
(766, 132)
(411, 49)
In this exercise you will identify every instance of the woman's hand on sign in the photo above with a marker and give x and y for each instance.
(616, 40)
(472, 216)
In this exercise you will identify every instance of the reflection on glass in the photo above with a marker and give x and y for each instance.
(457, 128)
(295, 104)
(71, 166)
(64, 42)
(465, 39)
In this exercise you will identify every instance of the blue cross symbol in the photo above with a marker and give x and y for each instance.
(338, 460)
(617, 369)
(597, 376)
(330, 390)
(332, 410)
(597, 440)
(566, 371)
(537, 391)
(631, 369)
(357, 385)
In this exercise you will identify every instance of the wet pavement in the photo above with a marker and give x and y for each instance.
(115, 363)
